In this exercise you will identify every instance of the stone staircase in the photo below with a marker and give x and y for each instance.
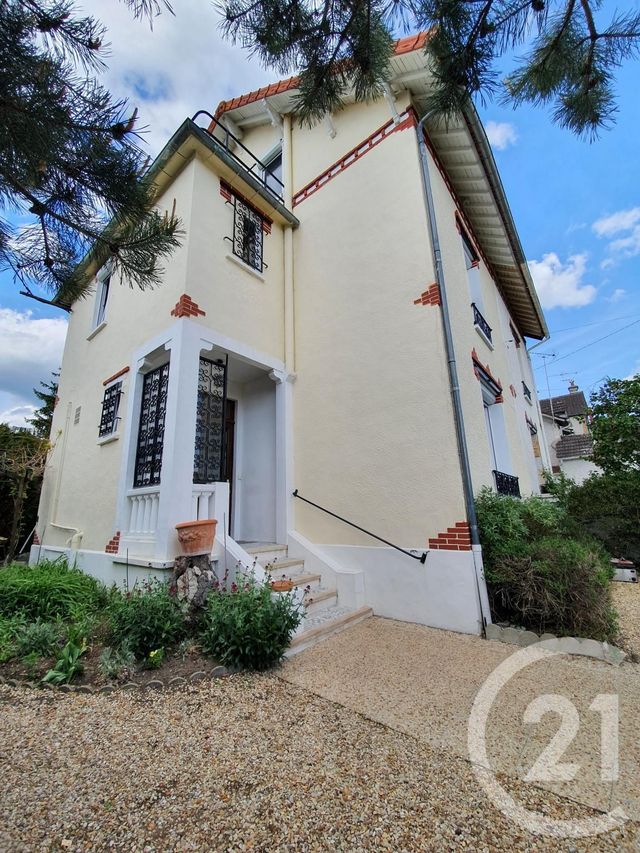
(324, 615)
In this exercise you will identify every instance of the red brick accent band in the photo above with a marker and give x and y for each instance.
(186, 307)
(351, 157)
(431, 296)
(113, 544)
(116, 376)
(227, 192)
(456, 538)
(36, 538)
(479, 369)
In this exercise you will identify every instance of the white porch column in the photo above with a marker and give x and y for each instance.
(176, 479)
(284, 452)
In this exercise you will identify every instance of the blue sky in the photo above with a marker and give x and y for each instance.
(576, 204)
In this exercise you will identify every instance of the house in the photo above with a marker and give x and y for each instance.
(566, 426)
(323, 358)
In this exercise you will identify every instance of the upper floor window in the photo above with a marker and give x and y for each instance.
(273, 172)
(102, 295)
(110, 406)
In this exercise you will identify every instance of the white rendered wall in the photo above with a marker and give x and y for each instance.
(578, 469)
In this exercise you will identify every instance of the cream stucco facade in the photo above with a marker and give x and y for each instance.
(317, 312)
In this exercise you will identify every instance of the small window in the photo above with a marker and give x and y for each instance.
(273, 174)
(76, 417)
(247, 234)
(470, 255)
(102, 295)
(110, 406)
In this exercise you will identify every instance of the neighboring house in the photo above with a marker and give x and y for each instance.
(297, 342)
(566, 426)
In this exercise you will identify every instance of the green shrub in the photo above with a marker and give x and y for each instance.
(40, 638)
(539, 575)
(248, 626)
(9, 630)
(48, 590)
(147, 619)
(68, 664)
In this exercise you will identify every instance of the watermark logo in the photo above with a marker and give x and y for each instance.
(549, 766)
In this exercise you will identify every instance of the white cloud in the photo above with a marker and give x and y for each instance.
(17, 417)
(181, 66)
(622, 220)
(501, 134)
(560, 285)
(30, 349)
(624, 225)
(618, 294)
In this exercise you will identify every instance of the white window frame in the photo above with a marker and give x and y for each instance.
(115, 429)
(103, 289)
(267, 160)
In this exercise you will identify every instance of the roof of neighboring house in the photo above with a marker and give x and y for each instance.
(572, 405)
(574, 447)
(405, 45)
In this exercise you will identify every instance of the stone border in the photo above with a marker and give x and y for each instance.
(568, 645)
(152, 684)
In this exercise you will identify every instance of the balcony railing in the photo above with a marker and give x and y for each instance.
(480, 322)
(526, 391)
(507, 484)
(242, 156)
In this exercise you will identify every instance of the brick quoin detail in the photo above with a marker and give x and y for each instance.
(186, 307)
(456, 538)
(113, 544)
(431, 296)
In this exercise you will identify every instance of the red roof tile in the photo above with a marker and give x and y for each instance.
(404, 45)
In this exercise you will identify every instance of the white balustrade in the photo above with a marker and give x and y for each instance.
(142, 512)
(210, 500)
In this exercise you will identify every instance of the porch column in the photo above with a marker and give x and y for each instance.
(176, 479)
(284, 452)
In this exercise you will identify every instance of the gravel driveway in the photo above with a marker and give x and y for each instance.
(244, 763)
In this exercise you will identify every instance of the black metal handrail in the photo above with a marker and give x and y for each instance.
(526, 390)
(507, 484)
(479, 321)
(422, 557)
(262, 175)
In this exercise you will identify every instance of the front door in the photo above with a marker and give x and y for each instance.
(229, 444)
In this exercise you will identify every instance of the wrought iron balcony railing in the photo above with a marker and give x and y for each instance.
(507, 484)
(526, 391)
(242, 156)
(480, 322)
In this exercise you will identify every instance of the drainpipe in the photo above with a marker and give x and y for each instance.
(458, 415)
(289, 331)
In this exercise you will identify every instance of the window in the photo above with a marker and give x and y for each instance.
(151, 430)
(273, 173)
(110, 406)
(102, 295)
(247, 234)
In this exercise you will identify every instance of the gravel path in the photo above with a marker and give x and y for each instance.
(626, 600)
(244, 763)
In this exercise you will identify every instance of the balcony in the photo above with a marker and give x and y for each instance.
(507, 484)
(527, 392)
(481, 324)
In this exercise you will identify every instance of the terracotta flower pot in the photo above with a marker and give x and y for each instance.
(282, 585)
(196, 537)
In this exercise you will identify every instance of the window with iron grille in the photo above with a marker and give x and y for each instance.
(151, 430)
(110, 405)
(247, 234)
(208, 461)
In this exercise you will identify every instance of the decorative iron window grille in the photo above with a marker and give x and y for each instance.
(507, 484)
(533, 429)
(480, 322)
(208, 460)
(526, 391)
(248, 233)
(151, 430)
(110, 406)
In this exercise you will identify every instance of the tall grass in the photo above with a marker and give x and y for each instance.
(49, 590)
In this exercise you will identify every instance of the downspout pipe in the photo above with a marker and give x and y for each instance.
(454, 385)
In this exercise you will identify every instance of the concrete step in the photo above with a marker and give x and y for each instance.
(266, 552)
(325, 624)
(284, 567)
(320, 599)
